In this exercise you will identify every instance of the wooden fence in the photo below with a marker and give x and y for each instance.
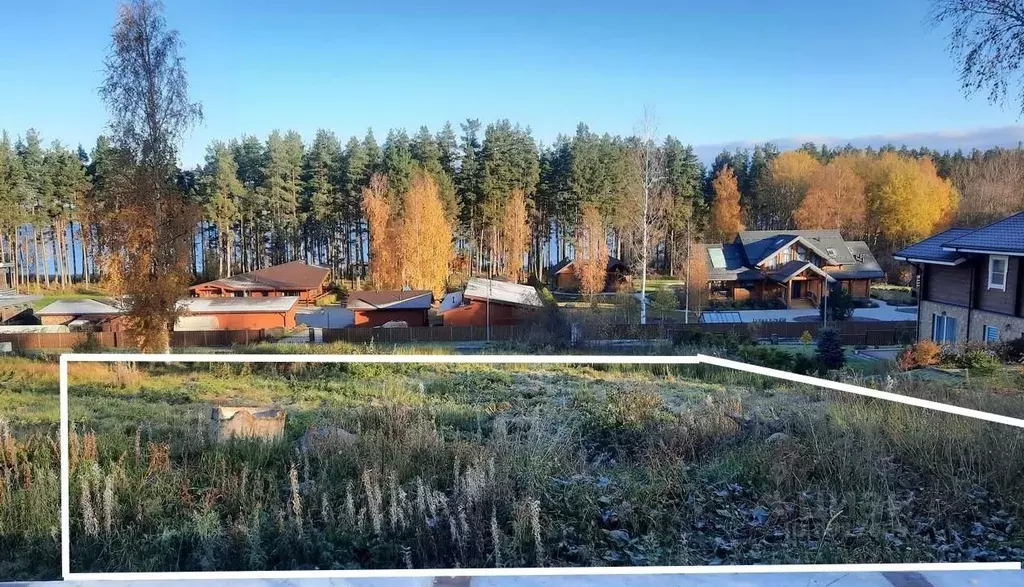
(117, 340)
(421, 334)
(852, 333)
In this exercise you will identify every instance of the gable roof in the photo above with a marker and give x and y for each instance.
(788, 270)
(1002, 236)
(275, 304)
(389, 300)
(503, 292)
(295, 275)
(740, 260)
(827, 244)
(930, 249)
(78, 307)
(613, 264)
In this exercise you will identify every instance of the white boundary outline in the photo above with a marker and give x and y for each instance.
(65, 513)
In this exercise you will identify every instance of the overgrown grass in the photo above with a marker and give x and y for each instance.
(477, 466)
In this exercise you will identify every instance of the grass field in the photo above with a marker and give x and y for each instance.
(475, 466)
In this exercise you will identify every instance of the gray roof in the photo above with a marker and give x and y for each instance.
(1003, 236)
(727, 262)
(754, 246)
(78, 308)
(828, 244)
(503, 292)
(930, 249)
(390, 300)
(864, 265)
(274, 304)
(788, 270)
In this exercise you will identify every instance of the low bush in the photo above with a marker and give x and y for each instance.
(91, 344)
(922, 354)
(1011, 351)
(730, 341)
(974, 357)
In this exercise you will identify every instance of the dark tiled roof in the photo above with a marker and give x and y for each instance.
(855, 256)
(864, 265)
(760, 244)
(725, 261)
(389, 300)
(296, 275)
(1003, 236)
(930, 249)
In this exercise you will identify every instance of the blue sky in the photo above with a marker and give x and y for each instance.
(716, 73)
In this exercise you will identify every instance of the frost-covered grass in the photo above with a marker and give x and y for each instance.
(472, 465)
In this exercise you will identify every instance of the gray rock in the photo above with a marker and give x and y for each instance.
(326, 437)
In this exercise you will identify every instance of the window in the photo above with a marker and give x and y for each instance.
(717, 258)
(991, 334)
(943, 329)
(997, 272)
(801, 253)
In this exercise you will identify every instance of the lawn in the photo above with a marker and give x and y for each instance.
(894, 295)
(479, 466)
(50, 296)
(856, 363)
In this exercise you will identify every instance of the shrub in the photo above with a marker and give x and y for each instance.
(921, 354)
(327, 300)
(829, 353)
(764, 356)
(806, 338)
(974, 357)
(91, 344)
(804, 365)
(1011, 351)
(840, 304)
(664, 302)
(731, 341)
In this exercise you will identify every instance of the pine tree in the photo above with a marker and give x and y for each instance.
(281, 190)
(254, 223)
(398, 164)
(222, 192)
(829, 352)
(320, 173)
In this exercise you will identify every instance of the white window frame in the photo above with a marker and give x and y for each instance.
(995, 334)
(1005, 273)
(940, 329)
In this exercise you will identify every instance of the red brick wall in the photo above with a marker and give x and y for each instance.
(374, 318)
(475, 314)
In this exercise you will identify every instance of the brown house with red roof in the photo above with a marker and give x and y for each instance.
(297, 278)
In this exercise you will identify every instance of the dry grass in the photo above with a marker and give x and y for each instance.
(468, 466)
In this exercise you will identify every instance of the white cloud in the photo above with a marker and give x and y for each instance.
(981, 138)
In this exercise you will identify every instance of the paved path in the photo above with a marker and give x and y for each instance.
(884, 312)
(927, 579)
